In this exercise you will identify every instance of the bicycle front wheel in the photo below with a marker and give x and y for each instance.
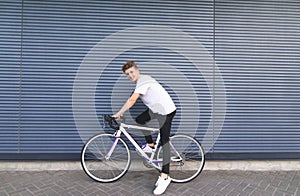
(105, 158)
(187, 158)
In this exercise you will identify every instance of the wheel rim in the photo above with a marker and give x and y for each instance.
(192, 155)
(95, 163)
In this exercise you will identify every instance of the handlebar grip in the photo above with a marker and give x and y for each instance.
(112, 121)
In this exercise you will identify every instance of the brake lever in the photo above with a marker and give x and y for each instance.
(114, 124)
(111, 121)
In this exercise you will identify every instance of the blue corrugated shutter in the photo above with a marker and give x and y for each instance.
(56, 38)
(54, 43)
(10, 50)
(257, 48)
(53, 92)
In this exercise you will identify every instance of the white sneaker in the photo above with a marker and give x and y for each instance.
(147, 149)
(161, 185)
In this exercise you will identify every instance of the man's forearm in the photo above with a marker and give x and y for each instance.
(129, 103)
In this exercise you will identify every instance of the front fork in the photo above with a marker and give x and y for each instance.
(117, 136)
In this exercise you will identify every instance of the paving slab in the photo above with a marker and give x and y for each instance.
(208, 183)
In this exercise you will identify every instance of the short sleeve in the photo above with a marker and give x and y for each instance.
(141, 89)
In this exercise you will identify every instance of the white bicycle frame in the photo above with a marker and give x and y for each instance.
(150, 159)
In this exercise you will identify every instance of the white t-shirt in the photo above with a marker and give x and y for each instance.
(154, 96)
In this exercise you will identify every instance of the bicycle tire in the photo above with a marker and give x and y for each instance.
(193, 156)
(100, 168)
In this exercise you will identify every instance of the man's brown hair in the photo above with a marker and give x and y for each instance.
(128, 65)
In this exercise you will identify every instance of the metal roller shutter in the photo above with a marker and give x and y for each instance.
(257, 49)
(58, 38)
(10, 47)
(232, 68)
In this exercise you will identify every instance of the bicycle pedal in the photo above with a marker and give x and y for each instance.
(176, 159)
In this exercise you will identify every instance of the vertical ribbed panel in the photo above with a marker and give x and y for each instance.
(257, 49)
(10, 50)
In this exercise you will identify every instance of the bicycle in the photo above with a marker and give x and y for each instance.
(106, 157)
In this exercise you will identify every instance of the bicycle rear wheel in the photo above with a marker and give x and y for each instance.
(187, 158)
(97, 163)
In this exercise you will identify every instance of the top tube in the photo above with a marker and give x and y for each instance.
(139, 127)
(116, 125)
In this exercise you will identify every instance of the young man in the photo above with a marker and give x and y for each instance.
(160, 107)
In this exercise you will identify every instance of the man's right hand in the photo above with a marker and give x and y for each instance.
(117, 116)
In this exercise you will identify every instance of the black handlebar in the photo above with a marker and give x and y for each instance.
(111, 121)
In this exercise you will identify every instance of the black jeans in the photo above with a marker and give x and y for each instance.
(165, 123)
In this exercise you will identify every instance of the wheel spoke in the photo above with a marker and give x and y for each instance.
(95, 163)
(187, 158)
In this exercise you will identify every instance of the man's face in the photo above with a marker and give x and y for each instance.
(132, 74)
